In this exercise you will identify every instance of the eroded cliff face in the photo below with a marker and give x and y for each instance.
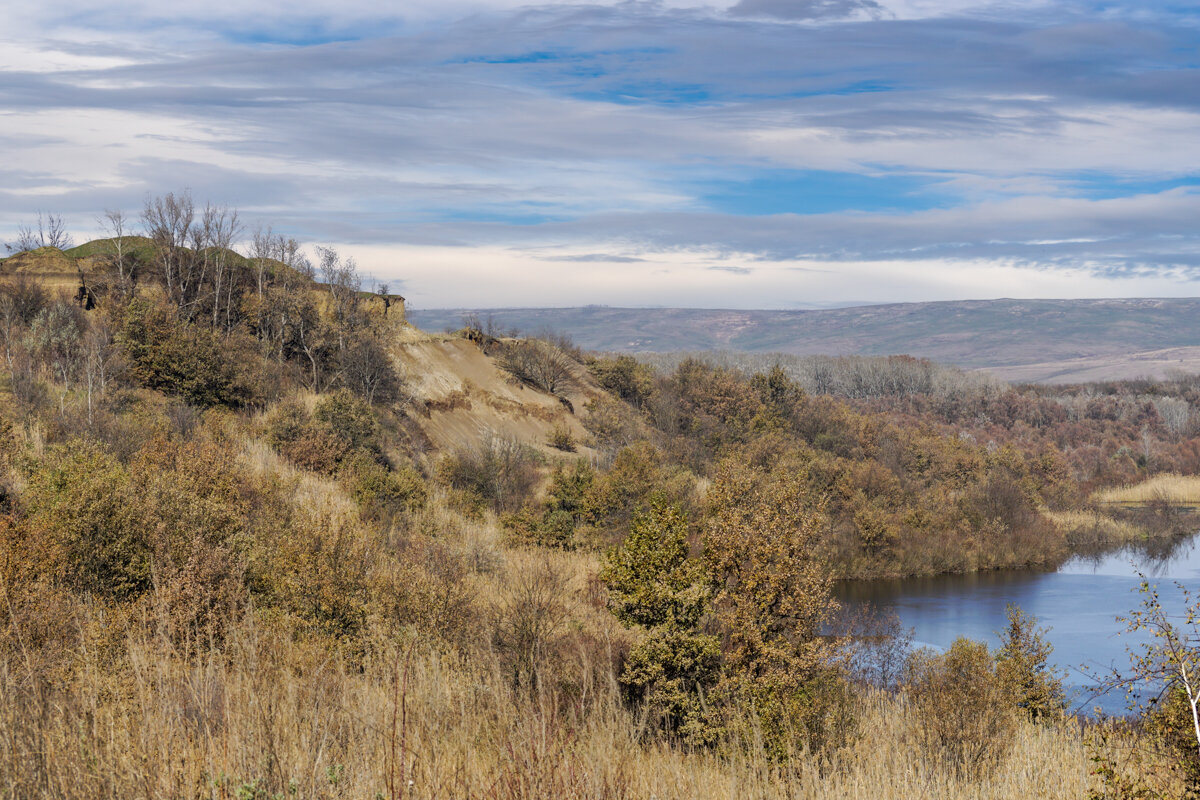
(460, 396)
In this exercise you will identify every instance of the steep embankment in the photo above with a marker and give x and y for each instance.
(460, 396)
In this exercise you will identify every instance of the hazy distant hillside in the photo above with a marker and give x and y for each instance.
(1031, 339)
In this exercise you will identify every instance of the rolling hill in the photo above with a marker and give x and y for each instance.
(1019, 340)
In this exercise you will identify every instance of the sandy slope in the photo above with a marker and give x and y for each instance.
(462, 397)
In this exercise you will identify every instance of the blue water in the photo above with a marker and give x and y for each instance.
(1078, 604)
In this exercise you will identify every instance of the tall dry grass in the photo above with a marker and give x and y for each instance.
(275, 714)
(1171, 489)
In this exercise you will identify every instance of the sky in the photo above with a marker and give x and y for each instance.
(747, 154)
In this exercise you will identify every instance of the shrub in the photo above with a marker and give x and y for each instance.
(79, 500)
(625, 377)
(528, 623)
(302, 441)
(499, 471)
(1023, 664)
(612, 424)
(548, 529)
(561, 439)
(382, 492)
(173, 520)
(654, 584)
(962, 707)
(179, 359)
(340, 425)
(782, 683)
(348, 418)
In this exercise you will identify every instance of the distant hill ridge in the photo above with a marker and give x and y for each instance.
(1039, 340)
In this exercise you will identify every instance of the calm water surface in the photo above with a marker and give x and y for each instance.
(1079, 604)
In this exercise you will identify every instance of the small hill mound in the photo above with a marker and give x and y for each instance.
(137, 246)
(48, 265)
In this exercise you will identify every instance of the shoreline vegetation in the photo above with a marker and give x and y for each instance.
(261, 539)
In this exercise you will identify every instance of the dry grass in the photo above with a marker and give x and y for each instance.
(1172, 489)
(274, 715)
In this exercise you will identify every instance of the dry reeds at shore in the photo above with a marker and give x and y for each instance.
(1170, 489)
(277, 715)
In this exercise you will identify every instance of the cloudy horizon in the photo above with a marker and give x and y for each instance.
(750, 154)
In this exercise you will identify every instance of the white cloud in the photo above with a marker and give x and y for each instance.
(506, 129)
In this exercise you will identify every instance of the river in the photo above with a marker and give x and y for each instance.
(1078, 603)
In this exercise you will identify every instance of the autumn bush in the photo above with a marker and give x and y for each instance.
(782, 678)
(183, 359)
(497, 471)
(962, 706)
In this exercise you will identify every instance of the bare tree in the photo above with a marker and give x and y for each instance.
(214, 236)
(1163, 680)
(54, 232)
(1176, 415)
(114, 223)
(26, 239)
(51, 232)
(168, 221)
(539, 363)
(342, 279)
(100, 352)
(367, 370)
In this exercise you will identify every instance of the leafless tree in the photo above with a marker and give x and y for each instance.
(1176, 415)
(367, 370)
(114, 223)
(54, 232)
(219, 227)
(26, 239)
(539, 363)
(168, 220)
(100, 354)
(51, 232)
(343, 281)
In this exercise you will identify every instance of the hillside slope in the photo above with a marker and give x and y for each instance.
(461, 397)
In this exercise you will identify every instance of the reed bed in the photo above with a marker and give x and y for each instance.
(1170, 488)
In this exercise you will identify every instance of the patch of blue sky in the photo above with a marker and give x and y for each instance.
(822, 192)
(565, 55)
(1102, 186)
(299, 34)
(666, 93)
(858, 87)
(536, 57)
(510, 217)
(648, 93)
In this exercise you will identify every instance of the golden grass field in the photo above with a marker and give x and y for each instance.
(1172, 489)
(276, 717)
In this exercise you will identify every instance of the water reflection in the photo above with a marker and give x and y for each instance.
(1079, 603)
(1159, 559)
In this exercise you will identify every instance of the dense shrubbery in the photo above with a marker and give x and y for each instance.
(896, 497)
(185, 360)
